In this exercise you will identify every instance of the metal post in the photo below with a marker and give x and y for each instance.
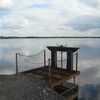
(49, 72)
(76, 61)
(16, 63)
(44, 58)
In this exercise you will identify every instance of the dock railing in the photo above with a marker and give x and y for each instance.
(16, 63)
(19, 57)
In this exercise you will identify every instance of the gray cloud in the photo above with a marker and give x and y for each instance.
(85, 23)
(11, 27)
(91, 3)
(3, 9)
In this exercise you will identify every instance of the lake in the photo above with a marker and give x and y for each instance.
(88, 64)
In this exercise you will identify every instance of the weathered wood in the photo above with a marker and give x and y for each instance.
(74, 80)
(62, 48)
(55, 75)
(16, 63)
(76, 61)
(55, 83)
(53, 59)
(49, 71)
(61, 59)
(44, 58)
(70, 60)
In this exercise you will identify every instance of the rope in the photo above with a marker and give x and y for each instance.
(30, 55)
(28, 60)
(32, 62)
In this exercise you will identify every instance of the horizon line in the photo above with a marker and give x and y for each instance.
(49, 37)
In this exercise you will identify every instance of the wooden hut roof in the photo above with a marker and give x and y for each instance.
(62, 48)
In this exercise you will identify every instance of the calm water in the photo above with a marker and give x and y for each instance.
(89, 60)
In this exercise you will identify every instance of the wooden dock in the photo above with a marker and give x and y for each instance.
(56, 76)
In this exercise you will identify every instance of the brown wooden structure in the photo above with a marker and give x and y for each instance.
(57, 75)
(69, 53)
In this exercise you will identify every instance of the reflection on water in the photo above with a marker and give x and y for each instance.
(89, 60)
(90, 92)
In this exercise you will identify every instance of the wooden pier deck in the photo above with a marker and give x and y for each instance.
(55, 76)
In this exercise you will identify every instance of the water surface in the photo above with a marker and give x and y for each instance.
(89, 60)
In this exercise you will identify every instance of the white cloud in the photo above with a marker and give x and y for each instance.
(14, 25)
(4, 4)
(13, 21)
(75, 7)
(52, 19)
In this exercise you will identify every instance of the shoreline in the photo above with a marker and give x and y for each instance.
(45, 37)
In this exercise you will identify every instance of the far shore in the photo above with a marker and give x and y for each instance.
(16, 37)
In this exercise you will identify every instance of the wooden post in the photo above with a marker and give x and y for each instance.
(61, 59)
(66, 60)
(49, 72)
(74, 80)
(44, 58)
(70, 60)
(76, 61)
(53, 58)
(16, 63)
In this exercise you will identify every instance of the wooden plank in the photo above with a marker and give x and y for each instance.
(60, 72)
(32, 70)
(58, 75)
(62, 48)
(64, 79)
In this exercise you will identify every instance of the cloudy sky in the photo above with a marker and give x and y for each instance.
(49, 17)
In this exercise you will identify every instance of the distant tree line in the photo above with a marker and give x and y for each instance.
(14, 37)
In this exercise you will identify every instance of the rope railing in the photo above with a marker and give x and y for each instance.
(29, 60)
(30, 55)
(34, 62)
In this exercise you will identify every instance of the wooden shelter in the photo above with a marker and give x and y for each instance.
(57, 75)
